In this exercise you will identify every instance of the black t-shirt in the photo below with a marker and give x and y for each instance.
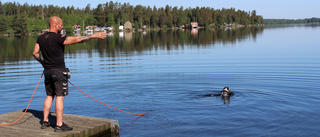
(52, 49)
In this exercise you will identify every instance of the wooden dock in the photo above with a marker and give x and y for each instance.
(29, 125)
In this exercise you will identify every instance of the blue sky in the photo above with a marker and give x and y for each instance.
(275, 9)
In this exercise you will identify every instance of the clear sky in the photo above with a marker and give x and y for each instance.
(269, 9)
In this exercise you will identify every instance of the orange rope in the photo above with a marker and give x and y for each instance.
(76, 88)
(106, 104)
(27, 106)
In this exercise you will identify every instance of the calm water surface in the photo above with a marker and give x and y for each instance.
(273, 71)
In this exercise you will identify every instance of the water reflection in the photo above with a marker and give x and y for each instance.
(15, 49)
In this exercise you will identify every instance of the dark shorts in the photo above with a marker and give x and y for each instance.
(56, 83)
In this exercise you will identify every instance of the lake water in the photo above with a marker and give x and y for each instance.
(273, 72)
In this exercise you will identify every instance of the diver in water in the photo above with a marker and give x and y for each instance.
(225, 95)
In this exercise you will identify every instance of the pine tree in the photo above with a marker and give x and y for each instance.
(100, 16)
(1, 10)
(253, 17)
(181, 17)
(23, 24)
(154, 17)
(2, 19)
(125, 17)
(111, 21)
(175, 14)
(147, 13)
(2, 23)
(162, 17)
(16, 23)
(138, 14)
(87, 9)
(169, 20)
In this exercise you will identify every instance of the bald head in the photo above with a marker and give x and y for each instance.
(54, 20)
(55, 24)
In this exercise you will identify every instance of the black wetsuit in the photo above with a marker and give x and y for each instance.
(229, 94)
(226, 99)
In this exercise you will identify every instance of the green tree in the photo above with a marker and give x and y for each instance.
(219, 17)
(111, 21)
(162, 18)
(195, 14)
(87, 10)
(125, 17)
(2, 19)
(130, 13)
(253, 17)
(2, 23)
(175, 14)
(62, 11)
(205, 16)
(154, 17)
(20, 23)
(181, 17)
(111, 6)
(189, 18)
(169, 20)
(106, 10)
(136, 26)
(16, 23)
(169, 17)
(116, 13)
(168, 9)
(23, 24)
(1, 8)
(147, 13)
(100, 16)
(138, 14)
(90, 20)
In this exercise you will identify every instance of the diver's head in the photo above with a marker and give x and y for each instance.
(225, 91)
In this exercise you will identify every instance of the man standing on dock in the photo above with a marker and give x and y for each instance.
(52, 44)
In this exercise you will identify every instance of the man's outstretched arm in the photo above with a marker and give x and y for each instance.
(80, 39)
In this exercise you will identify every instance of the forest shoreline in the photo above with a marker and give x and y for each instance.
(141, 30)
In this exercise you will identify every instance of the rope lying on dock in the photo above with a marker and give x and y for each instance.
(27, 106)
(76, 88)
(106, 104)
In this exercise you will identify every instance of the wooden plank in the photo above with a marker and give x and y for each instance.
(29, 125)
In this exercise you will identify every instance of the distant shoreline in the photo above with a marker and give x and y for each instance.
(292, 21)
(141, 30)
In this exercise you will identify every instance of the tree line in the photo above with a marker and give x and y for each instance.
(292, 21)
(16, 18)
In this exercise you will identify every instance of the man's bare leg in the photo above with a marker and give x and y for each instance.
(59, 109)
(60, 127)
(47, 107)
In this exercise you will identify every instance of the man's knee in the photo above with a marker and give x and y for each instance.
(60, 98)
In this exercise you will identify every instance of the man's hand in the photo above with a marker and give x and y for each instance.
(99, 35)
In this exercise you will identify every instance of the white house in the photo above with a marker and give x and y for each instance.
(121, 27)
(89, 30)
